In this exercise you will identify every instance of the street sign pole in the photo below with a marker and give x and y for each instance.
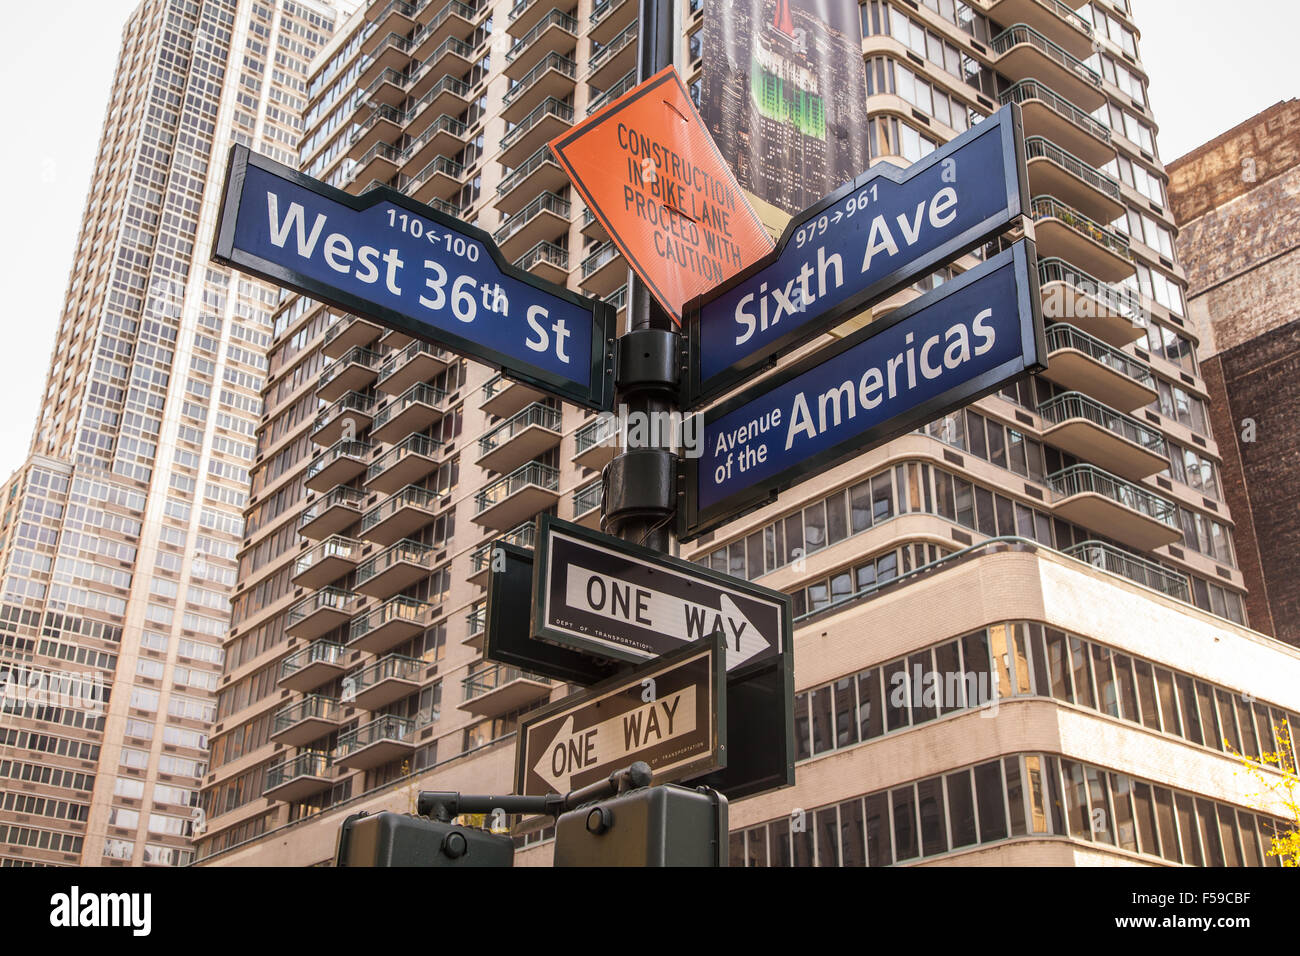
(640, 484)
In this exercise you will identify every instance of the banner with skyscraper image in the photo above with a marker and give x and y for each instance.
(784, 95)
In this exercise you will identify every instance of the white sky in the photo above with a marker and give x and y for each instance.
(1212, 64)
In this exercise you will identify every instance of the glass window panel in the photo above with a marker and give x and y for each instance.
(860, 507)
(1250, 849)
(756, 847)
(986, 520)
(975, 434)
(903, 800)
(778, 846)
(965, 503)
(1055, 804)
(802, 747)
(1042, 683)
(934, 821)
(822, 727)
(846, 712)
(819, 596)
(1107, 690)
(961, 808)
(879, 834)
(754, 555)
(1228, 715)
(1245, 720)
(871, 714)
(1102, 823)
(975, 659)
(837, 519)
(997, 445)
(923, 687)
(865, 575)
(1209, 720)
(1038, 802)
(1229, 838)
(1191, 718)
(1076, 799)
(736, 559)
(828, 837)
(945, 505)
(1058, 665)
(1145, 809)
(1127, 688)
(1169, 842)
(1187, 829)
(1006, 515)
(802, 841)
(853, 838)
(814, 526)
(1168, 702)
(990, 801)
(897, 702)
(1016, 453)
(1015, 796)
(794, 545)
(948, 664)
(841, 586)
(737, 848)
(999, 645)
(1209, 832)
(882, 497)
(887, 566)
(1024, 521)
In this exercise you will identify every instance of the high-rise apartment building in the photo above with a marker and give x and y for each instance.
(121, 531)
(1020, 633)
(1237, 202)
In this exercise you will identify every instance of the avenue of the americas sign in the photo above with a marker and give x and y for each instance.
(386, 257)
(948, 347)
(860, 244)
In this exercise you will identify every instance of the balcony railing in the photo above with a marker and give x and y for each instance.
(1065, 336)
(351, 402)
(309, 763)
(1038, 147)
(546, 202)
(318, 652)
(476, 619)
(388, 727)
(523, 535)
(330, 598)
(419, 347)
(1047, 207)
(554, 18)
(416, 394)
(342, 496)
(552, 61)
(311, 707)
(533, 473)
(400, 608)
(439, 164)
(443, 124)
(598, 258)
(613, 46)
(1027, 90)
(1077, 405)
(547, 252)
(405, 551)
(525, 169)
(590, 435)
(1121, 301)
(549, 107)
(495, 676)
(340, 449)
(536, 414)
(614, 92)
(587, 497)
(603, 9)
(388, 667)
(1144, 572)
(421, 445)
(411, 496)
(1019, 33)
(1089, 479)
(335, 546)
(453, 9)
(395, 77)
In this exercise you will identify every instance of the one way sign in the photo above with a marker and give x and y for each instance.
(614, 600)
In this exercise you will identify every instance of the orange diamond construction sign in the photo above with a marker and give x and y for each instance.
(648, 169)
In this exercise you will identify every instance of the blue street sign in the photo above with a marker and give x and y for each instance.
(858, 246)
(386, 257)
(948, 347)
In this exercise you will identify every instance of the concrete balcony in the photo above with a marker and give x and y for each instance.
(518, 496)
(476, 626)
(1080, 363)
(547, 261)
(1112, 313)
(408, 462)
(593, 228)
(1055, 172)
(437, 184)
(615, 58)
(625, 83)
(1051, 18)
(554, 76)
(299, 777)
(305, 720)
(390, 51)
(417, 362)
(524, 15)
(337, 465)
(1068, 234)
(1087, 429)
(556, 32)
(455, 20)
(1116, 508)
(450, 96)
(390, 678)
(453, 57)
(1022, 53)
(522, 437)
(318, 663)
(319, 613)
(394, 569)
(399, 515)
(1046, 113)
(347, 333)
(603, 271)
(499, 689)
(543, 124)
(1149, 574)
(537, 174)
(387, 89)
(503, 397)
(382, 628)
(413, 411)
(381, 162)
(398, 16)
(381, 741)
(337, 510)
(383, 125)
(445, 136)
(326, 562)
(595, 443)
(609, 18)
(394, 340)
(586, 504)
(331, 423)
(480, 560)
(355, 371)
(544, 219)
